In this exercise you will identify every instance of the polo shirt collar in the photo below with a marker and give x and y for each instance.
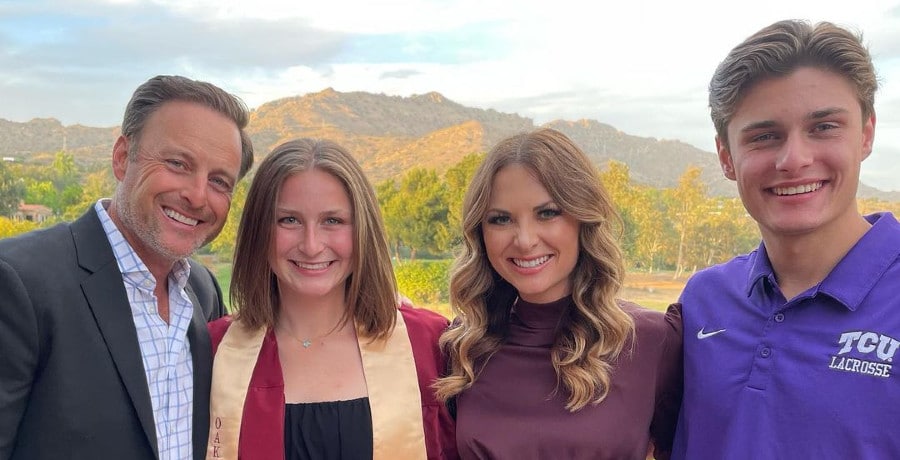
(861, 269)
(760, 268)
(857, 273)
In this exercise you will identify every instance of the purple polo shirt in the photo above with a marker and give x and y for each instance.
(809, 378)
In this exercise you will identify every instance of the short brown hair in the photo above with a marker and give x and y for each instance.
(155, 92)
(781, 48)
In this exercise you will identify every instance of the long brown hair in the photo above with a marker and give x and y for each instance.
(595, 331)
(371, 288)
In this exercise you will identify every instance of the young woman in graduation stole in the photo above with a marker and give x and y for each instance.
(546, 362)
(318, 361)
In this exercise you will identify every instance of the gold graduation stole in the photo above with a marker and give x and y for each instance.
(391, 380)
(232, 368)
(394, 398)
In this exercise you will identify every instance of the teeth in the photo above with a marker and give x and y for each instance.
(319, 266)
(531, 263)
(180, 218)
(782, 191)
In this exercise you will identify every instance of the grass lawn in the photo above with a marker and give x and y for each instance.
(223, 275)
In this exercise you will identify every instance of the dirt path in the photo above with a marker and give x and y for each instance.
(655, 290)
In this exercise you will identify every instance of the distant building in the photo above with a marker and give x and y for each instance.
(33, 212)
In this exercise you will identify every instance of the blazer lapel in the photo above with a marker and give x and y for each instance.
(201, 356)
(108, 301)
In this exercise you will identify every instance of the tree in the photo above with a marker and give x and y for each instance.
(98, 184)
(64, 170)
(652, 228)
(687, 210)
(391, 213)
(415, 212)
(57, 186)
(223, 245)
(616, 179)
(12, 191)
(426, 211)
(456, 182)
(872, 205)
(41, 192)
(9, 227)
(66, 181)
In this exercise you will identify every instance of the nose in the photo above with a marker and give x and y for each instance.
(310, 243)
(796, 153)
(195, 190)
(526, 235)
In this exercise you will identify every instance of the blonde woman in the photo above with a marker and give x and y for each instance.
(319, 362)
(546, 363)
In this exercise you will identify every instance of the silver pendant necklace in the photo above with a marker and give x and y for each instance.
(308, 342)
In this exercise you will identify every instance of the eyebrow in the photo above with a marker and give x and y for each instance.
(546, 205)
(330, 212)
(824, 113)
(539, 207)
(766, 124)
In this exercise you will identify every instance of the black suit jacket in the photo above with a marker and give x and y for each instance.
(72, 382)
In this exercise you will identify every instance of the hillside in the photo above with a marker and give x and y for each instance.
(650, 161)
(390, 134)
(38, 139)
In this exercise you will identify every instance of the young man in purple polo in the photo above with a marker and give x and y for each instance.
(789, 350)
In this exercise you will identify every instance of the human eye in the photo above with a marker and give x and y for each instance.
(175, 163)
(333, 220)
(827, 126)
(288, 220)
(221, 185)
(765, 137)
(548, 213)
(498, 219)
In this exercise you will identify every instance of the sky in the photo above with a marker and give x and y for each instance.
(642, 66)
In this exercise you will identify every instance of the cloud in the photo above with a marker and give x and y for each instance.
(644, 72)
(893, 12)
(881, 170)
(400, 74)
(390, 17)
(144, 36)
(80, 62)
(468, 43)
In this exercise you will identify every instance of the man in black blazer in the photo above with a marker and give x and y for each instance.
(79, 375)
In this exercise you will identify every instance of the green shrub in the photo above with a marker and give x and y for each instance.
(425, 282)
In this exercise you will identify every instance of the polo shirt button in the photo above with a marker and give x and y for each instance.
(765, 352)
(779, 317)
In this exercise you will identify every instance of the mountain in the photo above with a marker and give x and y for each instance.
(39, 139)
(650, 161)
(390, 134)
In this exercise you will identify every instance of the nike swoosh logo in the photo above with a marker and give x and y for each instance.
(705, 335)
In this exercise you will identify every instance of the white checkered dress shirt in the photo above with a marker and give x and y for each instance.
(165, 349)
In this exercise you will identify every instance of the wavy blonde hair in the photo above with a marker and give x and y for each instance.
(595, 330)
(371, 289)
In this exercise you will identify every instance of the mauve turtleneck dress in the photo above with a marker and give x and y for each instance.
(512, 411)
